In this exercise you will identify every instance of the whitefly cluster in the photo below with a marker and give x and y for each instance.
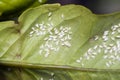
(40, 29)
(56, 39)
(109, 47)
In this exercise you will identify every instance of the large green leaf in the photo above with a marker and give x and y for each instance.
(63, 37)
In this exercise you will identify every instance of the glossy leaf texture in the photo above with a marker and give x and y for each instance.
(70, 39)
(16, 5)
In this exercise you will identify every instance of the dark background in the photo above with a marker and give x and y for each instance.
(96, 6)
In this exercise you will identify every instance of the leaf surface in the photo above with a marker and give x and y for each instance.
(66, 37)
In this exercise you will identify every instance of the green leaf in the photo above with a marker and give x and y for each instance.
(55, 74)
(16, 5)
(69, 38)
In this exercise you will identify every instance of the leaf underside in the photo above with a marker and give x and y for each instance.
(64, 42)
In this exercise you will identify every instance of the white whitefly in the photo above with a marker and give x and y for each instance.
(106, 33)
(62, 15)
(118, 36)
(113, 38)
(111, 45)
(113, 32)
(107, 64)
(49, 14)
(96, 37)
(50, 18)
(78, 61)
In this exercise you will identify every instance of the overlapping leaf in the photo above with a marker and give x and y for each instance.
(15, 5)
(55, 74)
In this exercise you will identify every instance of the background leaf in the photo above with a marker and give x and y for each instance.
(10, 10)
(55, 74)
(6, 6)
